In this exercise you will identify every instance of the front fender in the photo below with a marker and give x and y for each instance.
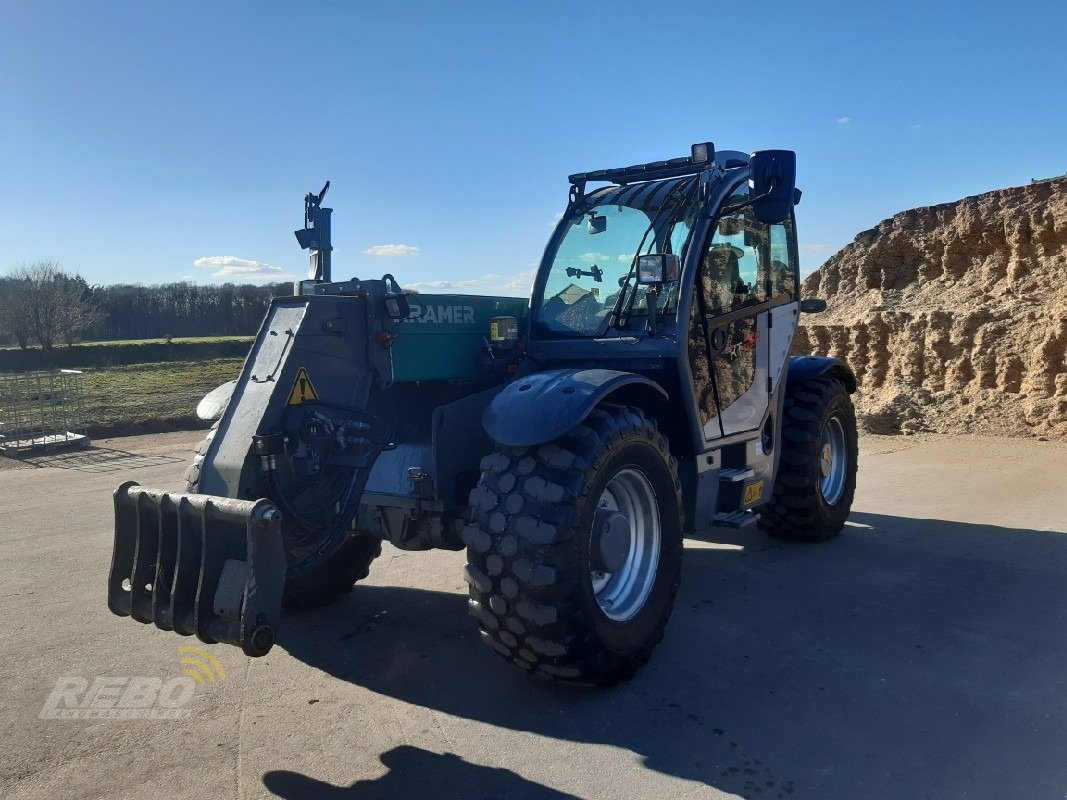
(214, 402)
(806, 368)
(541, 407)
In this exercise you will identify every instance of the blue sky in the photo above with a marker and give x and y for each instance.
(140, 139)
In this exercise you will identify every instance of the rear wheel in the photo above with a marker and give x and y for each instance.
(192, 472)
(316, 577)
(332, 576)
(574, 556)
(816, 478)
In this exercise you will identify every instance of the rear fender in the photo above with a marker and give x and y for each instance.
(806, 368)
(541, 407)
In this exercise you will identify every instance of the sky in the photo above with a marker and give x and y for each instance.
(156, 142)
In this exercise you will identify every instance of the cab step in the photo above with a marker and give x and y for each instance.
(734, 519)
(735, 474)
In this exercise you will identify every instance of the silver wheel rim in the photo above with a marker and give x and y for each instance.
(623, 593)
(832, 461)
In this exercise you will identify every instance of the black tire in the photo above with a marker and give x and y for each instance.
(333, 578)
(798, 508)
(192, 472)
(529, 550)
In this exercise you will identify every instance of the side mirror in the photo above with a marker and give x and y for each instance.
(774, 174)
(813, 305)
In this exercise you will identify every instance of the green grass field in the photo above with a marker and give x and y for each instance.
(141, 385)
(143, 398)
(174, 340)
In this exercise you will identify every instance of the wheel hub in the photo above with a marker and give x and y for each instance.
(625, 545)
(614, 539)
(833, 460)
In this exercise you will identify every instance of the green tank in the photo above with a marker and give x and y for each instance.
(450, 334)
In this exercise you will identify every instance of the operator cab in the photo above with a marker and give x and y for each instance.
(685, 273)
(621, 253)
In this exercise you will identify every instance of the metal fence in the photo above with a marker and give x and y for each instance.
(41, 410)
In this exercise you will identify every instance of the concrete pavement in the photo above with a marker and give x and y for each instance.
(921, 654)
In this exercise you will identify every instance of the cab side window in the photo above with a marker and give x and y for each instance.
(783, 264)
(736, 260)
(748, 262)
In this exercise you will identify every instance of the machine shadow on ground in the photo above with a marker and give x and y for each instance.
(414, 772)
(907, 658)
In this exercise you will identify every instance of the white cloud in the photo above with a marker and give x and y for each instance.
(233, 267)
(812, 248)
(593, 258)
(516, 284)
(392, 250)
(844, 120)
(915, 127)
(229, 261)
(520, 282)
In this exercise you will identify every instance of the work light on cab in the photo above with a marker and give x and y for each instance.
(702, 153)
(656, 268)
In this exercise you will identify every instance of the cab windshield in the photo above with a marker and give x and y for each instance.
(594, 258)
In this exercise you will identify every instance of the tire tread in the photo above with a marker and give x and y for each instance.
(796, 510)
(543, 627)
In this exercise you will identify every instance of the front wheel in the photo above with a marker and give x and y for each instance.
(332, 577)
(816, 478)
(574, 556)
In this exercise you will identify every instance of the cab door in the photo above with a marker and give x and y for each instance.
(747, 272)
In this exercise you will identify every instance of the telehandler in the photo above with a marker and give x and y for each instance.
(645, 392)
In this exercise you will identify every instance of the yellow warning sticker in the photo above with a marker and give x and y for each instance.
(303, 391)
(753, 493)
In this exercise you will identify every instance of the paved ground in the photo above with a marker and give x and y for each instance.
(922, 654)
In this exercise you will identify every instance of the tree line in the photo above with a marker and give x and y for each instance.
(41, 304)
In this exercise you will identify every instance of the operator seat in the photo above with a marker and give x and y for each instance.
(722, 274)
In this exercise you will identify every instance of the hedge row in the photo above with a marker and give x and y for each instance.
(114, 354)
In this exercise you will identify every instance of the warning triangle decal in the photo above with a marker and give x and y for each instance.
(303, 391)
